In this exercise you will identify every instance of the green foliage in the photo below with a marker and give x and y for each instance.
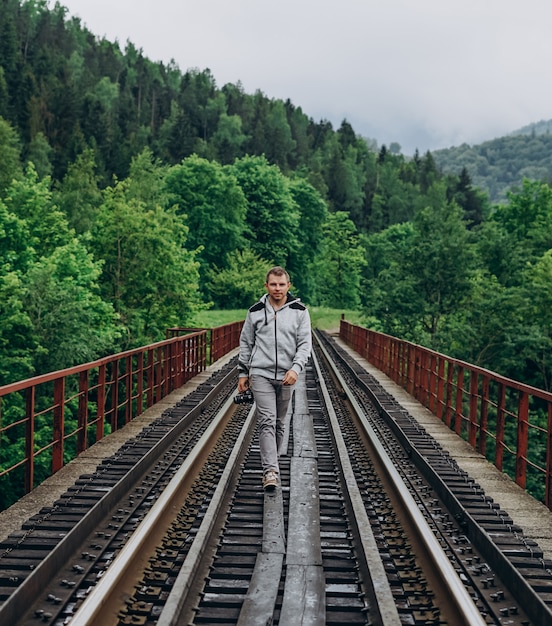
(78, 195)
(501, 164)
(15, 253)
(528, 217)
(32, 201)
(241, 283)
(148, 275)
(386, 296)
(71, 323)
(40, 154)
(339, 266)
(312, 218)
(440, 261)
(424, 271)
(17, 344)
(229, 138)
(10, 150)
(490, 331)
(52, 313)
(210, 318)
(272, 215)
(212, 205)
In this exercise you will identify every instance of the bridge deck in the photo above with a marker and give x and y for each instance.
(532, 516)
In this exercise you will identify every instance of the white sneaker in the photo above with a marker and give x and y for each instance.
(270, 480)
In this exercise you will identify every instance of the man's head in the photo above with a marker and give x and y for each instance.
(277, 285)
(278, 271)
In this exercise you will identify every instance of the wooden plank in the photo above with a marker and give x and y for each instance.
(300, 402)
(304, 444)
(274, 539)
(258, 605)
(304, 596)
(304, 514)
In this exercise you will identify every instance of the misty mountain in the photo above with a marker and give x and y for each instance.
(498, 165)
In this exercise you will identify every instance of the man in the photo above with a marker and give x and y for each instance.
(275, 345)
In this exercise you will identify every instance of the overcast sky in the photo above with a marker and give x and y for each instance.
(427, 74)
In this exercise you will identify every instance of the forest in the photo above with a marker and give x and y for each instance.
(134, 194)
(497, 165)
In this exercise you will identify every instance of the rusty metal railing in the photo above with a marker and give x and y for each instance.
(47, 420)
(220, 340)
(510, 423)
(225, 338)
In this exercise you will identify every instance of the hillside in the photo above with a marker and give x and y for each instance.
(134, 195)
(496, 166)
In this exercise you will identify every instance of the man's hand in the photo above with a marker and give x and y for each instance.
(290, 378)
(243, 384)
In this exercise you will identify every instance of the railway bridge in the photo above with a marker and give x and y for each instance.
(403, 493)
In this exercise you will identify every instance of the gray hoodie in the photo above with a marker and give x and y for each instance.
(273, 342)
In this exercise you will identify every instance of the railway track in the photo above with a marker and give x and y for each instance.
(373, 524)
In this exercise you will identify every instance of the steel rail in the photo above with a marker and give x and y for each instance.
(386, 606)
(105, 597)
(180, 591)
(18, 602)
(464, 605)
(519, 586)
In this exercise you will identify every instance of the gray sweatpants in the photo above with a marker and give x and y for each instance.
(272, 398)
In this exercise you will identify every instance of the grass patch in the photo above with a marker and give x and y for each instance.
(324, 318)
(213, 317)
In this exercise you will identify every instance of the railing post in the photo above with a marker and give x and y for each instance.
(100, 423)
(82, 436)
(458, 411)
(500, 425)
(203, 340)
(158, 376)
(440, 388)
(432, 383)
(170, 354)
(424, 372)
(522, 437)
(472, 430)
(484, 421)
(166, 367)
(548, 482)
(114, 395)
(417, 373)
(150, 378)
(180, 363)
(58, 426)
(139, 383)
(411, 371)
(213, 345)
(128, 390)
(449, 411)
(29, 438)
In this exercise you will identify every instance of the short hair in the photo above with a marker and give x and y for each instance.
(278, 271)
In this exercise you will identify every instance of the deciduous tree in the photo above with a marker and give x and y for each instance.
(340, 263)
(148, 275)
(272, 218)
(240, 283)
(212, 205)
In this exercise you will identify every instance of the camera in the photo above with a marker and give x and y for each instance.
(244, 398)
